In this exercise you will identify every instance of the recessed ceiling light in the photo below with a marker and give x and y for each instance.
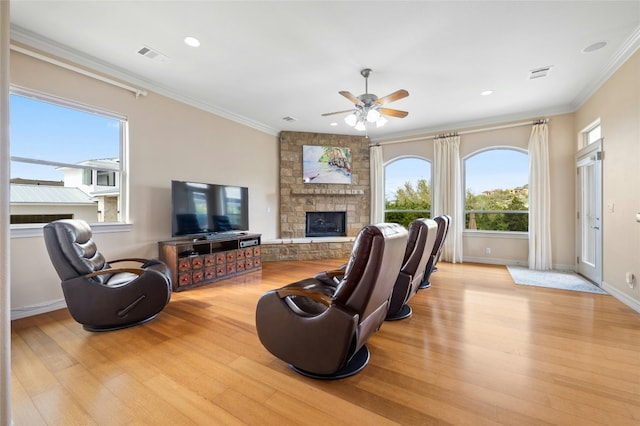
(333, 124)
(595, 46)
(486, 92)
(192, 41)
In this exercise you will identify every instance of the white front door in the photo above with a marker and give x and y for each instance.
(589, 212)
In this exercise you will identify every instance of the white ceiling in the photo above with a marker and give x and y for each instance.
(261, 61)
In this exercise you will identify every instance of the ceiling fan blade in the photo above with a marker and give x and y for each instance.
(398, 94)
(350, 96)
(393, 112)
(337, 112)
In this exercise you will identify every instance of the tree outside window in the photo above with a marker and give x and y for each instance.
(497, 191)
(407, 190)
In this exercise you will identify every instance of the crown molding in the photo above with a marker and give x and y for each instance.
(631, 45)
(21, 35)
(621, 56)
(58, 50)
(464, 125)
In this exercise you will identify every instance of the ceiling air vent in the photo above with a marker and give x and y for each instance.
(539, 72)
(152, 54)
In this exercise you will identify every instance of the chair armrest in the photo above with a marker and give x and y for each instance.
(137, 271)
(335, 272)
(338, 272)
(310, 288)
(129, 259)
(331, 277)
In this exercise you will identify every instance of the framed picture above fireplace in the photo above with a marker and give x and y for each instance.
(326, 164)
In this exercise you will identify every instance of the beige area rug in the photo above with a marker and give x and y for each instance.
(561, 280)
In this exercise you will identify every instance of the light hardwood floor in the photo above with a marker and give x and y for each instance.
(478, 350)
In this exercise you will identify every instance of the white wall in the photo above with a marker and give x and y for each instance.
(617, 105)
(168, 140)
(514, 249)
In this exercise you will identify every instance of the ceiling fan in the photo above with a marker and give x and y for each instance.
(368, 107)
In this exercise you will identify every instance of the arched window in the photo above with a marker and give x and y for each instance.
(407, 190)
(497, 190)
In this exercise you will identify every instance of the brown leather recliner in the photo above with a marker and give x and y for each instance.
(420, 245)
(443, 222)
(320, 329)
(98, 296)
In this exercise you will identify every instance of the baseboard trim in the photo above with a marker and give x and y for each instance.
(29, 311)
(634, 304)
(494, 261)
(629, 301)
(513, 262)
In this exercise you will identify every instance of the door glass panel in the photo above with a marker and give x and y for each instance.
(588, 210)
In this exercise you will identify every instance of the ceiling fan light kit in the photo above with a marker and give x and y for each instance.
(368, 107)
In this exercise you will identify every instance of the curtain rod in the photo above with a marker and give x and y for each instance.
(136, 91)
(465, 132)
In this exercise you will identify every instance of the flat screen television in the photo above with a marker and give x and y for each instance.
(205, 209)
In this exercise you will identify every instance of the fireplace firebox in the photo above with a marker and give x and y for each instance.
(326, 224)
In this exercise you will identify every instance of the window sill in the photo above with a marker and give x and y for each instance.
(30, 231)
(496, 234)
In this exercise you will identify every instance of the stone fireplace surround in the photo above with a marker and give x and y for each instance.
(297, 198)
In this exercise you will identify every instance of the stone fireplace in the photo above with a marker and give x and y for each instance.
(297, 198)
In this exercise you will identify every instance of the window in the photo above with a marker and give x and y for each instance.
(87, 177)
(407, 190)
(497, 190)
(106, 178)
(593, 134)
(37, 218)
(65, 160)
(590, 134)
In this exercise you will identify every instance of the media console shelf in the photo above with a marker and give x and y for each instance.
(198, 262)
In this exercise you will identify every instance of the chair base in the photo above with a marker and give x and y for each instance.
(354, 366)
(98, 328)
(404, 312)
(424, 285)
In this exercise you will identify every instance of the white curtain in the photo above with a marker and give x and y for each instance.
(377, 184)
(539, 199)
(447, 194)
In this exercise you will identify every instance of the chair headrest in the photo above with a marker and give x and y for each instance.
(376, 256)
(72, 250)
(422, 237)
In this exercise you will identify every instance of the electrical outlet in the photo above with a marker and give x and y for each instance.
(631, 279)
(487, 250)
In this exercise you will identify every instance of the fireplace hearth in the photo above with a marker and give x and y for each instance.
(326, 224)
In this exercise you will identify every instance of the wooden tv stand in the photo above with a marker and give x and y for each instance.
(196, 262)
